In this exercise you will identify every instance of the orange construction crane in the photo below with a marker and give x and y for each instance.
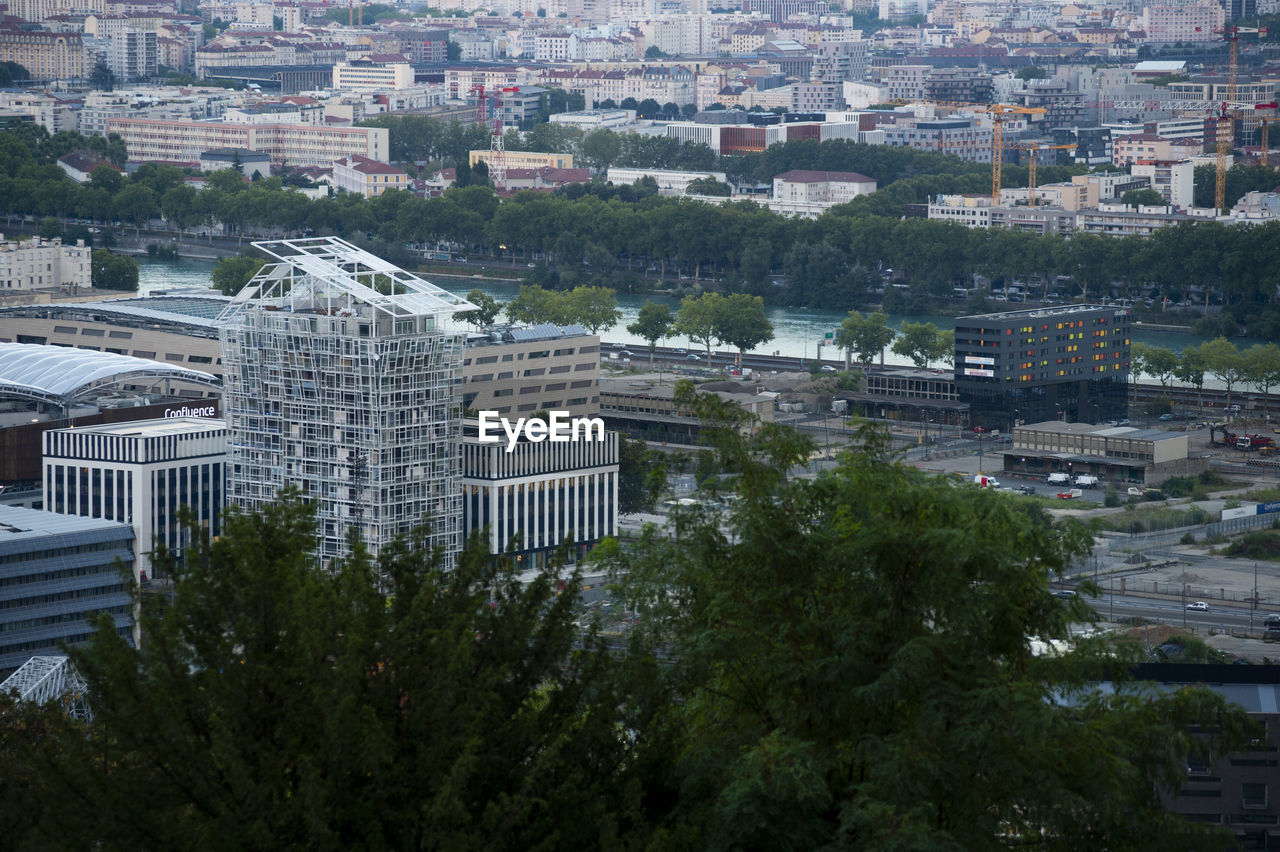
(1035, 147)
(999, 113)
(1264, 144)
(1226, 118)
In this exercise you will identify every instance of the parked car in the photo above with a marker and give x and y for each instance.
(1198, 606)
(1166, 417)
(1063, 593)
(1024, 489)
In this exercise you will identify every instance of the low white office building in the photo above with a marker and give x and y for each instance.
(37, 264)
(141, 473)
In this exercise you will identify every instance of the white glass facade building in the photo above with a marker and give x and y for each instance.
(341, 377)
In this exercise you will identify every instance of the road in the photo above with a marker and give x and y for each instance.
(1165, 611)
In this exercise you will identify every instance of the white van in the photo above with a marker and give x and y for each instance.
(1084, 480)
(1058, 479)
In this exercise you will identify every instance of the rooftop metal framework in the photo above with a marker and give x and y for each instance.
(59, 375)
(43, 679)
(342, 379)
(331, 275)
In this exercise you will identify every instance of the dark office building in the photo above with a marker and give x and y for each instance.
(1029, 366)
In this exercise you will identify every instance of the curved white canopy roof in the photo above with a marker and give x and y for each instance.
(58, 373)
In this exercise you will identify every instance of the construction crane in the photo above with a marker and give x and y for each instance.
(1227, 115)
(1263, 143)
(1035, 148)
(497, 142)
(1000, 113)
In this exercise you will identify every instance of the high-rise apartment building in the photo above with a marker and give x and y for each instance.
(1030, 366)
(340, 377)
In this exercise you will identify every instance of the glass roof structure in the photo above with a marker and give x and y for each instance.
(328, 275)
(59, 374)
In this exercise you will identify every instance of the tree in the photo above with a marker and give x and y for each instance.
(1262, 366)
(1223, 360)
(401, 703)
(852, 668)
(487, 309)
(601, 148)
(593, 307)
(741, 322)
(230, 274)
(534, 305)
(1031, 72)
(653, 323)
(708, 186)
(866, 336)
(102, 77)
(1192, 365)
(1158, 362)
(113, 271)
(1143, 197)
(453, 51)
(922, 342)
(50, 227)
(642, 476)
(698, 317)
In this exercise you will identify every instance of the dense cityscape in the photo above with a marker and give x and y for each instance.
(642, 424)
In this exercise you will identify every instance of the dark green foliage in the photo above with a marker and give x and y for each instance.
(1260, 544)
(487, 309)
(854, 670)
(113, 271)
(642, 476)
(230, 274)
(11, 73)
(1143, 197)
(390, 705)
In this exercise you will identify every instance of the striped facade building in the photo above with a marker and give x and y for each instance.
(302, 145)
(540, 493)
(140, 473)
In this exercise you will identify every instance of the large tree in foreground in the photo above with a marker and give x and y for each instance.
(853, 659)
(277, 704)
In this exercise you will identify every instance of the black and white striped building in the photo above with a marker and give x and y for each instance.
(539, 494)
(140, 473)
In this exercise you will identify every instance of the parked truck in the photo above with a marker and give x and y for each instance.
(1254, 442)
(986, 481)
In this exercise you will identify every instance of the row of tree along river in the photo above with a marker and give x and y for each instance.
(798, 332)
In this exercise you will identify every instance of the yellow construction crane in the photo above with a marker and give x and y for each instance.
(1034, 147)
(1225, 124)
(1000, 113)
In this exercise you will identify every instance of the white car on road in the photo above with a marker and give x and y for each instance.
(1198, 606)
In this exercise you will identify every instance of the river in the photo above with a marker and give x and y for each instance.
(797, 331)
